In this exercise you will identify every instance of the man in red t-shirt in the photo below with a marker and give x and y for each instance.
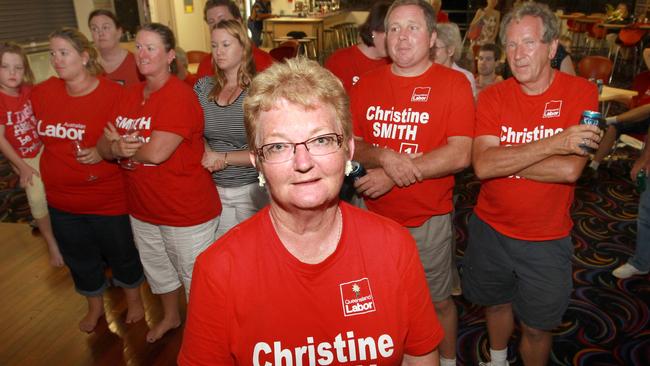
(216, 11)
(529, 149)
(412, 138)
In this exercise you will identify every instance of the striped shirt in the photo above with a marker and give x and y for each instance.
(224, 131)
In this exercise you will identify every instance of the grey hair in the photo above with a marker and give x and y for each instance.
(449, 33)
(550, 22)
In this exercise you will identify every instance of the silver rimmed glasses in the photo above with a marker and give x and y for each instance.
(279, 152)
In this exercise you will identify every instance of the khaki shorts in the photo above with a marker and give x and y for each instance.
(168, 253)
(435, 245)
(36, 191)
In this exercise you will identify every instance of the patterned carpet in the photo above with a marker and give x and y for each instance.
(608, 320)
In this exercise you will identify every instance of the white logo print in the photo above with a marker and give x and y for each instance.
(356, 297)
(421, 94)
(552, 109)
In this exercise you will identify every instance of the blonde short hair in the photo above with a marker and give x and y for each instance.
(299, 81)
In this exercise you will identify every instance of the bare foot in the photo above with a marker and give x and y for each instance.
(159, 330)
(56, 259)
(134, 304)
(135, 313)
(89, 322)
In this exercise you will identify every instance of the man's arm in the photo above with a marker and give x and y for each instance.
(491, 160)
(634, 115)
(399, 167)
(447, 159)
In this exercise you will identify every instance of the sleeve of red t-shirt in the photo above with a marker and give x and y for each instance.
(179, 118)
(487, 111)
(425, 332)
(334, 64)
(205, 67)
(262, 59)
(206, 338)
(461, 112)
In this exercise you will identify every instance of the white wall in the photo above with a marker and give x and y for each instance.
(82, 9)
(190, 28)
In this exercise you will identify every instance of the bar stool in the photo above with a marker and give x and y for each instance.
(306, 45)
(577, 29)
(630, 40)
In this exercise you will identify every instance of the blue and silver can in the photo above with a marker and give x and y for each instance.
(592, 118)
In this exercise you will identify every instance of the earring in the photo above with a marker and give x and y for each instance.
(348, 167)
(261, 179)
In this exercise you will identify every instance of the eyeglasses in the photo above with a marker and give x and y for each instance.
(279, 152)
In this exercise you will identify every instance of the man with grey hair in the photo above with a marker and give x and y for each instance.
(529, 149)
(413, 138)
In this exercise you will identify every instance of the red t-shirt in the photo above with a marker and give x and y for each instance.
(437, 105)
(518, 207)
(367, 303)
(63, 118)
(127, 73)
(348, 64)
(20, 125)
(178, 192)
(262, 61)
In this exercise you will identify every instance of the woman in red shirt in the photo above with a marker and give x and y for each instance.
(173, 204)
(85, 195)
(118, 63)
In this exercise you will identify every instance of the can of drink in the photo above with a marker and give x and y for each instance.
(592, 118)
(641, 180)
(358, 171)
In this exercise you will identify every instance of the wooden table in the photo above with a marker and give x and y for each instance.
(610, 93)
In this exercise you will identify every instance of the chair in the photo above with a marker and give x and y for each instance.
(630, 39)
(595, 34)
(194, 57)
(286, 49)
(596, 67)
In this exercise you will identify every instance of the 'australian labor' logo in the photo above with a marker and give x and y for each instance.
(420, 94)
(552, 109)
(356, 297)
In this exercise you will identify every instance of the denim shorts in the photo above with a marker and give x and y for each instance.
(90, 242)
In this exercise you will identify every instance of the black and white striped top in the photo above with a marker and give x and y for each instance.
(224, 131)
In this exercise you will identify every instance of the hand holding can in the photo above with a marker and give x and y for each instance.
(592, 118)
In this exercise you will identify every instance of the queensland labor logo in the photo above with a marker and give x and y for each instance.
(552, 109)
(356, 297)
(420, 94)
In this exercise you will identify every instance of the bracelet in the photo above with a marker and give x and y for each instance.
(225, 158)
